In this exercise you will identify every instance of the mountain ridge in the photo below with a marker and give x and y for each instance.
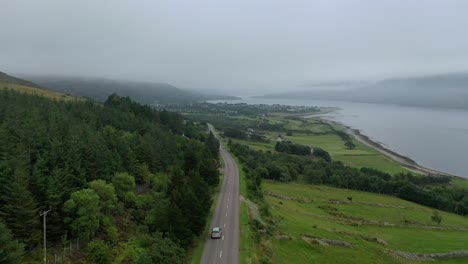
(442, 90)
(5, 78)
(143, 92)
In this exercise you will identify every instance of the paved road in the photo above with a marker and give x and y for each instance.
(226, 216)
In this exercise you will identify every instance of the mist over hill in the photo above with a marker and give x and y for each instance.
(445, 90)
(143, 92)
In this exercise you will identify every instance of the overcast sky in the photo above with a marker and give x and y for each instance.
(246, 46)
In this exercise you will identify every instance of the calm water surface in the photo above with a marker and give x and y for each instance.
(434, 138)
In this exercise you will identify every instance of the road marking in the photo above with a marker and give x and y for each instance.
(220, 253)
(227, 206)
(224, 226)
(223, 237)
(226, 214)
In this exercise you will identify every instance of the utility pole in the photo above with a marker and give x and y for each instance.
(44, 215)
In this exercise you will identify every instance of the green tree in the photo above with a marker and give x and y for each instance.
(99, 252)
(124, 184)
(160, 250)
(213, 145)
(143, 174)
(196, 202)
(83, 213)
(350, 145)
(20, 211)
(106, 193)
(436, 217)
(11, 250)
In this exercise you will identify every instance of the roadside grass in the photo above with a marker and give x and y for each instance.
(243, 180)
(195, 254)
(357, 223)
(247, 246)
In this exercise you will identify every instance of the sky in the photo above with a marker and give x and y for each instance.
(238, 46)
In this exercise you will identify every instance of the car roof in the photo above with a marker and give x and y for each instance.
(216, 229)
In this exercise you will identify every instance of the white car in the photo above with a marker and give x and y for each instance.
(216, 232)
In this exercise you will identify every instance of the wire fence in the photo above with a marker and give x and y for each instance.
(57, 257)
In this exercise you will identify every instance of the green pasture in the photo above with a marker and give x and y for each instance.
(405, 226)
(459, 182)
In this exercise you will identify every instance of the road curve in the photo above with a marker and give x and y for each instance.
(226, 216)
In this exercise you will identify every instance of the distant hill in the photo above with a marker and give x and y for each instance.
(446, 90)
(5, 78)
(24, 86)
(146, 93)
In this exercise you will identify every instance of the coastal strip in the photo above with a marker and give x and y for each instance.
(406, 162)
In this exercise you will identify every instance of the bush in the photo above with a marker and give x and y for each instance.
(99, 252)
(436, 217)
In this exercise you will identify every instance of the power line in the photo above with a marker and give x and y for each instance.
(44, 215)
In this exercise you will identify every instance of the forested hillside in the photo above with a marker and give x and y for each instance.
(130, 182)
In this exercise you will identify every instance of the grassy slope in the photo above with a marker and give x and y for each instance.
(299, 218)
(37, 91)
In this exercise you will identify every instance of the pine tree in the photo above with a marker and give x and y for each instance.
(213, 145)
(11, 250)
(20, 211)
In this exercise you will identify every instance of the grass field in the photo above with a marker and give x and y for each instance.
(460, 183)
(361, 156)
(311, 125)
(325, 213)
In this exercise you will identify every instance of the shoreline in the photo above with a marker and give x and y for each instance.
(405, 161)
